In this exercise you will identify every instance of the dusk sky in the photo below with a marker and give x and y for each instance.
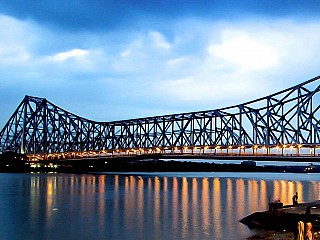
(116, 60)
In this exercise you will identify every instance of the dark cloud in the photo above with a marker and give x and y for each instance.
(109, 15)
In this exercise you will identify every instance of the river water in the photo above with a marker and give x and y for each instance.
(142, 205)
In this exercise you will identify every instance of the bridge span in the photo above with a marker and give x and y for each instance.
(284, 124)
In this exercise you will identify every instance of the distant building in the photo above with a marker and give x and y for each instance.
(249, 163)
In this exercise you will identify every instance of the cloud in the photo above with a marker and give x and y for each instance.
(240, 63)
(176, 61)
(194, 65)
(78, 54)
(244, 51)
(12, 49)
(110, 15)
(159, 40)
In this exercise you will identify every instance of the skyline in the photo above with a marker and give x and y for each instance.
(143, 59)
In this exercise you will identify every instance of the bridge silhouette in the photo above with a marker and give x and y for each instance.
(283, 124)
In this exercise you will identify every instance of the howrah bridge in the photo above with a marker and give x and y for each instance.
(286, 123)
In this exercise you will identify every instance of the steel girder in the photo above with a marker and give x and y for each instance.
(287, 117)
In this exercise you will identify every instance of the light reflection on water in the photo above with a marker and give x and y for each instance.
(67, 206)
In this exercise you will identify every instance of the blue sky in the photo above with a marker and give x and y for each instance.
(114, 60)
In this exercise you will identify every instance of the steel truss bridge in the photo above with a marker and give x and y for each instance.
(281, 124)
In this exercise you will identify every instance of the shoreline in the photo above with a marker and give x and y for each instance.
(154, 165)
(13, 162)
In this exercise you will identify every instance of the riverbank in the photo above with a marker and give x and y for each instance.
(12, 162)
(149, 165)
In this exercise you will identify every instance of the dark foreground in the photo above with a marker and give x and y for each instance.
(274, 235)
(282, 223)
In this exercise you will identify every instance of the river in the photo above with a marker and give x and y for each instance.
(142, 205)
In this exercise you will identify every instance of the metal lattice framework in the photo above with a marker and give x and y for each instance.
(289, 117)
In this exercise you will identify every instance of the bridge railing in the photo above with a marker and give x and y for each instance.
(196, 152)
